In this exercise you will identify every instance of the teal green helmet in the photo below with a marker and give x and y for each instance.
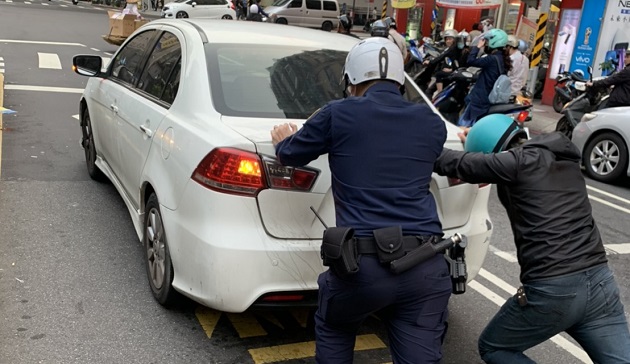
(496, 38)
(492, 134)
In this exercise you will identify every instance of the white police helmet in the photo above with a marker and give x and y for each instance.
(375, 58)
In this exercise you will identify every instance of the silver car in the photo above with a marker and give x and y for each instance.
(603, 139)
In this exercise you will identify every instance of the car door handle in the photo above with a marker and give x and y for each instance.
(146, 130)
(114, 108)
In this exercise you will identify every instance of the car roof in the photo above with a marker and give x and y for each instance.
(249, 32)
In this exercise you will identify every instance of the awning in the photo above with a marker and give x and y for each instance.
(469, 4)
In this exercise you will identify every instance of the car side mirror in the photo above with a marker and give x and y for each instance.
(87, 65)
(193, 4)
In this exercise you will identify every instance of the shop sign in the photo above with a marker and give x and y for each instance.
(614, 37)
(586, 42)
(526, 31)
(469, 4)
(403, 4)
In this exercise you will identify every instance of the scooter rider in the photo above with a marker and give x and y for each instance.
(520, 65)
(452, 51)
(387, 28)
(566, 282)
(496, 62)
(381, 150)
(620, 95)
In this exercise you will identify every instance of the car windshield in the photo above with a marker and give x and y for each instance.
(276, 81)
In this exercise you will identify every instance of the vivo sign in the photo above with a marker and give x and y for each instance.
(583, 59)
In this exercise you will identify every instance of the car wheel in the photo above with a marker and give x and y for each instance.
(158, 263)
(227, 16)
(605, 157)
(181, 14)
(565, 127)
(558, 103)
(282, 21)
(89, 148)
(327, 26)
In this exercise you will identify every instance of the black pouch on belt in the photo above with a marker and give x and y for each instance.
(389, 243)
(339, 250)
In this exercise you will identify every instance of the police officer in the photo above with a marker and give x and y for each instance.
(381, 150)
(567, 284)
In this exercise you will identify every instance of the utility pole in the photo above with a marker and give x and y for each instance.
(545, 5)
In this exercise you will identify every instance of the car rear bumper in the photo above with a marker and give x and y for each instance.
(223, 257)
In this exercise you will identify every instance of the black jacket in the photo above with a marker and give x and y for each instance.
(451, 52)
(541, 186)
(620, 95)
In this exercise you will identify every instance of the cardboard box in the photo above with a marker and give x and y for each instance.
(121, 25)
(139, 22)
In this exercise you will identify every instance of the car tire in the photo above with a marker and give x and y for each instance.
(605, 157)
(327, 26)
(227, 17)
(89, 148)
(558, 103)
(181, 14)
(158, 259)
(565, 127)
(282, 21)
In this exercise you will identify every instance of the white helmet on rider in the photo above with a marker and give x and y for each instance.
(512, 41)
(451, 33)
(374, 58)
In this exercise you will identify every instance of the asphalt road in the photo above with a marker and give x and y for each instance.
(73, 288)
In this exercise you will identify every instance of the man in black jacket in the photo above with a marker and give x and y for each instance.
(567, 284)
(620, 95)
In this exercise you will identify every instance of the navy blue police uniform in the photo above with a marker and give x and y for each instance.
(381, 151)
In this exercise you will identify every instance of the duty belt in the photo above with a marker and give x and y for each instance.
(367, 245)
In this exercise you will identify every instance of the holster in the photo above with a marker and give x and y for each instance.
(389, 243)
(339, 251)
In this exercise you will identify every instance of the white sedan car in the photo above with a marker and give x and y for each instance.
(180, 124)
(214, 9)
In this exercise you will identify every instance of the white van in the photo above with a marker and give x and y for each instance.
(323, 14)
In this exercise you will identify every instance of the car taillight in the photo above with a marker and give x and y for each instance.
(231, 171)
(289, 178)
(236, 171)
(522, 116)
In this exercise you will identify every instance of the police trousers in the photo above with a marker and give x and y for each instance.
(585, 305)
(413, 306)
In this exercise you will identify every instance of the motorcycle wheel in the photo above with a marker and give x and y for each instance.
(565, 127)
(558, 103)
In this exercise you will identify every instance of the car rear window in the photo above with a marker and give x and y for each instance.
(276, 82)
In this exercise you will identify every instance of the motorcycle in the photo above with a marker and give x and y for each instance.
(592, 100)
(420, 73)
(568, 86)
(451, 100)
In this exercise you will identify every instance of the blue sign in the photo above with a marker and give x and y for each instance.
(587, 36)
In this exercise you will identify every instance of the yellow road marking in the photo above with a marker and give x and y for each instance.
(208, 319)
(246, 325)
(1, 105)
(303, 350)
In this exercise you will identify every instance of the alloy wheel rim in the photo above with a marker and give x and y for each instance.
(604, 157)
(156, 249)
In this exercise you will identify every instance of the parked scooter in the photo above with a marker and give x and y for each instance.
(420, 73)
(592, 100)
(568, 86)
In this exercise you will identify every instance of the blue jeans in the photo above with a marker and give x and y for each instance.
(412, 304)
(585, 305)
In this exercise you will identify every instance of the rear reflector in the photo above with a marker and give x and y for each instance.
(522, 116)
(283, 298)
